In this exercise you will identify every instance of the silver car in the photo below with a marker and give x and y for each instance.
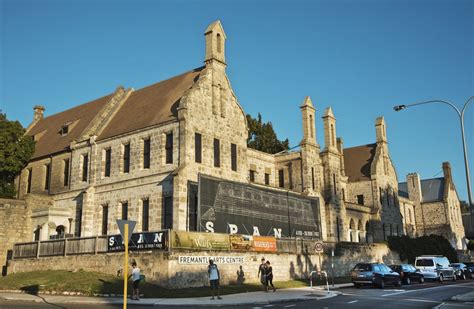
(435, 267)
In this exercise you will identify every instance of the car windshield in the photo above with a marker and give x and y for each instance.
(469, 264)
(424, 262)
(363, 267)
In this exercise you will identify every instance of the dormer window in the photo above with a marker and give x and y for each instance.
(64, 130)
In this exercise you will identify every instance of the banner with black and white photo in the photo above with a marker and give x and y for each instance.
(238, 208)
(138, 241)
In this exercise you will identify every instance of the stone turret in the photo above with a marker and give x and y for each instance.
(330, 130)
(414, 187)
(309, 128)
(215, 43)
(380, 130)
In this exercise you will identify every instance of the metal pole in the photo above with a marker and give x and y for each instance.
(125, 267)
(332, 267)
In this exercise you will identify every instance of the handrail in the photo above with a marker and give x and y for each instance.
(322, 272)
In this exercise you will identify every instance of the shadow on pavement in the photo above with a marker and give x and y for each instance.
(33, 290)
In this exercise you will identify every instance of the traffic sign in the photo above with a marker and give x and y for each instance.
(131, 226)
(318, 247)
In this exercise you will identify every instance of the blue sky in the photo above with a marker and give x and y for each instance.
(360, 57)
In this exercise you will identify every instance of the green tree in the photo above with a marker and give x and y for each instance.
(15, 151)
(262, 137)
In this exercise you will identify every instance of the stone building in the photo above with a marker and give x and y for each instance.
(137, 153)
(433, 205)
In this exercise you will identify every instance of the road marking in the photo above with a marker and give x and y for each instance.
(354, 301)
(422, 300)
(426, 289)
(289, 306)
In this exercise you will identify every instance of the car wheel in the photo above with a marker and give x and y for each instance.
(441, 278)
(357, 285)
(422, 280)
(399, 283)
(454, 277)
(382, 284)
(463, 277)
(408, 281)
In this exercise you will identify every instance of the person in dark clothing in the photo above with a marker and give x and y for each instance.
(261, 273)
(269, 277)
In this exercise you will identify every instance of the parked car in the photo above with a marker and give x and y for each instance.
(375, 274)
(408, 273)
(470, 266)
(461, 271)
(435, 267)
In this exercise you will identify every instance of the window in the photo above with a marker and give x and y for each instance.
(169, 148)
(66, 172)
(252, 176)
(126, 158)
(281, 179)
(311, 125)
(334, 183)
(360, 199)
(47, 169)
(233, 156)
(217, 153)
(312, 177)
(108, 158)
(219, 43)
(168, 212)
(105, 218)
(146, 153)
(145, 214)
(64, 130)
(85, 165)
(30, 175)
(197, 147)
(267, 179)
(343, 194)
(124, 210)
(333, 138)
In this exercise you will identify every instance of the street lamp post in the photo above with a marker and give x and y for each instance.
(466, 161)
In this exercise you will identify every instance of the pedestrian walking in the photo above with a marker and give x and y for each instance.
(269, 277)
(136, 277)
(214, 276)
(261, 273)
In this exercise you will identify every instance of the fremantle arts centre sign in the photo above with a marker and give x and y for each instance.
(237, 208)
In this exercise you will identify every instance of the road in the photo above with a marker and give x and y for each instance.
(428, 295)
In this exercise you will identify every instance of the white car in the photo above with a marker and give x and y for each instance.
(435, 267)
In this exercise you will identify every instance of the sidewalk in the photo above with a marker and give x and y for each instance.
(283, 295)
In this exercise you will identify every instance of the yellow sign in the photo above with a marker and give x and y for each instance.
(200, 241)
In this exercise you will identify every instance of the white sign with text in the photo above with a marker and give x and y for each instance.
(188, 259)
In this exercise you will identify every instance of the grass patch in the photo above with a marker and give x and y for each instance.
(90, 283)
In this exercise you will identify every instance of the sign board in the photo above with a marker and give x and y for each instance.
(241, 242)
(318, 247)
(238, 208)
(199, 241)
(138, 241)
(131, 226)
(191, 260)
(264, 244)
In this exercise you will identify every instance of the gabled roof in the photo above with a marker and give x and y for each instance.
(145, 107)
(152, 105)
(432, 190)
(358, 160)
(47, 130)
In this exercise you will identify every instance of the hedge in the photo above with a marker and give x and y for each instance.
(410, 248)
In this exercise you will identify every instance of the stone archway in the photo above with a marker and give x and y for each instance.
(352, 231)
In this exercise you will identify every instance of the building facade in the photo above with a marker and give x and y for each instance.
(135, 154)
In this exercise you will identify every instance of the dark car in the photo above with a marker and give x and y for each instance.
(408, 273)
(461, 270)
(375, 274)
(470, 266)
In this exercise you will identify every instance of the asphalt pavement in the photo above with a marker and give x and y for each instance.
(428, 295)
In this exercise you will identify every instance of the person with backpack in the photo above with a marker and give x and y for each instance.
(214, 276)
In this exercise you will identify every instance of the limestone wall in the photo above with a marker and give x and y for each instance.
(165, 269)
(14, 226)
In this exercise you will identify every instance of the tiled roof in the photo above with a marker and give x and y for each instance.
(47, 130)
(151, 105)
(357, 162)
(145, 107)
(432, 190)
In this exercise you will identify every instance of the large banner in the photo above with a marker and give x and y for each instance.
(237, 208)
(199, 241)
(145, 240)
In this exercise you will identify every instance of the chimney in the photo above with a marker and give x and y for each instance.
(39, 111)
(414, 187)
(447, 172)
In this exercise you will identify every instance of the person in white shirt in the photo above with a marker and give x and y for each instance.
(214, 276)
(136, 280)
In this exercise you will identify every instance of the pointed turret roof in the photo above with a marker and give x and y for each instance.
(307, 102)
(216, 25)
(328, 112)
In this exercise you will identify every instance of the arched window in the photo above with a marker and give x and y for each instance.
(219, 43)
(367, 232)
(359, 230)
(351, 230)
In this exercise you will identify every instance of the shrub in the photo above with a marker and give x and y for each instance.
(410, 248)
